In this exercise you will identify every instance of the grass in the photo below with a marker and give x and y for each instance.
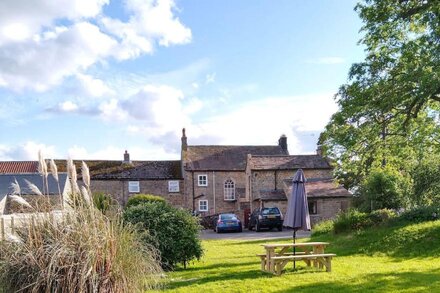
(402, 258)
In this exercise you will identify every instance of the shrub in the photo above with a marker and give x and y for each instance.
(324, 227)
(379, 217)
(383, 189)
(351, 220)
(143, 198)
(78, 250)
(426, 177)
(104, 202)
(421, 214)
(174, 232)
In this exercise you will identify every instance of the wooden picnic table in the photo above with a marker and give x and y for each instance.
(278, 255)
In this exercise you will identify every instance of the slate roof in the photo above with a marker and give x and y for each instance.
(225, 158)
(289, 162)
(137, 170)
(17, 167)
(322, 187)
(271, 194)
(37, 179)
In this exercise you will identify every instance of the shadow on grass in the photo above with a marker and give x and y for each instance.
(241, 275)
(217, 266)
(424, 282)
(400, 242)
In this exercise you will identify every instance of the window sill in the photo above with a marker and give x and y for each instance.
(230, 199)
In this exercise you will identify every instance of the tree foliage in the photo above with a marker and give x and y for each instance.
(427, 182)
(389, 110)
(173, 231)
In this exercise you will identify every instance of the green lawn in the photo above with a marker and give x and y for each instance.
(400, 258)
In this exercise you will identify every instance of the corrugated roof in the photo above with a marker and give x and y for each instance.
(289, 162)
(225, 158)
(17, 167)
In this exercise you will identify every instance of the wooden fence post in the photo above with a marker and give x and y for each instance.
(12, 225)
(2, 229)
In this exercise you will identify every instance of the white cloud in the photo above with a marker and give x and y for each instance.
(26, 151)
(68, 106)
(93, 87)
(38, 64)
(151, 21)
(210, 78)
(263, 121)
(116, 153)
(327, 60)
(37, 53)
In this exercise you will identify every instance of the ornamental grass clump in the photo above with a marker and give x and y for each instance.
(78, 250)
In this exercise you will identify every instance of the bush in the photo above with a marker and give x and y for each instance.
(79, 250)
(383, 189)
(324, 227)
(174, 232)
(104, 202)
(426, 177)
(351, 220)
(143, 198)
(421, 214)
(379, 217)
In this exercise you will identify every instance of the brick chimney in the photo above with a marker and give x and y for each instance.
(184, 140)
(126, 158)
(282, 142)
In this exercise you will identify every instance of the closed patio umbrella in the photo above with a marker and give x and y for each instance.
(297, 214)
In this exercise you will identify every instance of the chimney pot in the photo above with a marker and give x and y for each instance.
(184, 141)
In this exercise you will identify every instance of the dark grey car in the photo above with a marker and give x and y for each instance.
(270, 217)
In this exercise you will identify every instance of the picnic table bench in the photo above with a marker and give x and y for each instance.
(278, 255)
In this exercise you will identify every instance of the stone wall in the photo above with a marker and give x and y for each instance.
(119, 190)
(328, 208)
(214, 192)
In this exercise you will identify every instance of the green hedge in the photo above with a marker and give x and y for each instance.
(143, 198)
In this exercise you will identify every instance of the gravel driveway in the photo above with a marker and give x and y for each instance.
(252, 235)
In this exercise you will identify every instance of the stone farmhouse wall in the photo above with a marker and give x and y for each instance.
(119, 190)
(328, 208)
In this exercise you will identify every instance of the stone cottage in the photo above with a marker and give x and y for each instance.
(212, 179)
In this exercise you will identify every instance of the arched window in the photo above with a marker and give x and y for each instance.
(229, 190)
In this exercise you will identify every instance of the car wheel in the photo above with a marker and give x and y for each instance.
(280, 228)
(258, 227)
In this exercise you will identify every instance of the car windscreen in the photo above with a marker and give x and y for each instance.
(228, 217)
(270, 211)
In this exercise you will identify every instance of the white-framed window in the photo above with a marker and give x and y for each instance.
(229, 190)
(202, 180)
(173, 186)
(133, 186)
(203, 205)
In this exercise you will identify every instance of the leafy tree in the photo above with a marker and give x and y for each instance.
(174, 232)
(426, 178)
(389, 110)
(384, 189)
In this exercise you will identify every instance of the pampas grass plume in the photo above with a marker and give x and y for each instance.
(20, 200)
(16, 187)
(53, 169)
(85, 174)
(42, 166)
(86, 195)
(33, 187)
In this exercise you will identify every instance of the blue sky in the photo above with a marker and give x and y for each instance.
(88, 79)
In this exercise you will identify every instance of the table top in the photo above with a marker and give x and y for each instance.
(275, 245)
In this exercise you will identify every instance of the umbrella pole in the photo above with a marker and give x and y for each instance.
(294, 248)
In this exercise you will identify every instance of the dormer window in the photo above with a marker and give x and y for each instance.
(202, 180)
(229, 190)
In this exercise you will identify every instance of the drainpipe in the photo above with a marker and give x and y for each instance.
(213, 188)
(192, 179)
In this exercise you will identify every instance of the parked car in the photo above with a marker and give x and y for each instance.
(227, 222)
(270, 217)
